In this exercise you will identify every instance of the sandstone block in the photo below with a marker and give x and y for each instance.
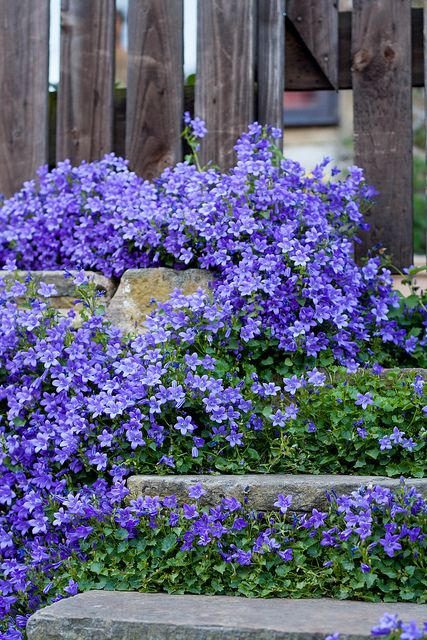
(65, 288)
(138, 289)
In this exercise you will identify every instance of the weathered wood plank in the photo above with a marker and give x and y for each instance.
(85, 96)
(425, 101)
(225, 89)
(382, 96)
(155, 85)
(271, 61)
(303, 74)
(317, 23)
(24, 48)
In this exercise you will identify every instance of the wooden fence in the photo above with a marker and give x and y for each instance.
(248, 52)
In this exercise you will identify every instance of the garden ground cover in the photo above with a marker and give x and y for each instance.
(277, 368)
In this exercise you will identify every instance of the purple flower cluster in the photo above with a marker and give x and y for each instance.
(82, 407)
(80, 404)
(391, 625)
(279, 240)
(355, 526)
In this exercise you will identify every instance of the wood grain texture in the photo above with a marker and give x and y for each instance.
(24, 48)
(302, 73)
(154, 107)
(382, 95)
(425, 102)
(85, 98)
(225, 90)
(317, 23)
(271, 61)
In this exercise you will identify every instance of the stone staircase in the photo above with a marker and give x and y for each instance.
(133, 616)
(110, 615)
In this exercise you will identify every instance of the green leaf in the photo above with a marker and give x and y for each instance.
(96, 567)
(169, 542)
(121, 534)
(220, 568)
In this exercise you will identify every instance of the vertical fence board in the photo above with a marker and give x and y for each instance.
(85, 97)
(271, 61)
(317, 24)
(225, 91)
(382, 95)
(154, 106)
(425, 104)
(24, 54)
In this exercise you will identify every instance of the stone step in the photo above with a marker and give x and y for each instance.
(113, 615)
(260, 491)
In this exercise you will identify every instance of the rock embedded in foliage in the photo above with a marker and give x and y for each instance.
(64, 286)
(260, 491)
(154, 616)
(138, 289)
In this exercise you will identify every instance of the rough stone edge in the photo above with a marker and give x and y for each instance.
(260, 491)
(64, 286)
(132, 616)
(131, 304)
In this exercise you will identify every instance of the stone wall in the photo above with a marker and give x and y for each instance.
(131, 299)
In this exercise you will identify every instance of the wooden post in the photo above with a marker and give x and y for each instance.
(85, 97)
(271, 61)
(24, 48)
(225, 84)
(154, 107)
(382, 94)
(425, 102)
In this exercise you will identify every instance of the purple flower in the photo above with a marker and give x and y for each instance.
(234, 438)
(364, 400)
(190, 511)
(316, 378)
(46, 290)
(385, 443)
(72, 588)
(418, 385)
(243, 558)
(390, 543)
(283, 502)
(292, 384)
(184, 425)
(410, 631)
(387, 625)
(362, 432)
(286, 554)
(196, 491)
(317, 519)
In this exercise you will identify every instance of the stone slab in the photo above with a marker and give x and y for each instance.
(110, 615)
(260, 491)
(65, 295)
(138, 288)
(64, 286)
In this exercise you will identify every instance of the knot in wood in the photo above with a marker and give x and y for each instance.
(389, 53)
(362, 59)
